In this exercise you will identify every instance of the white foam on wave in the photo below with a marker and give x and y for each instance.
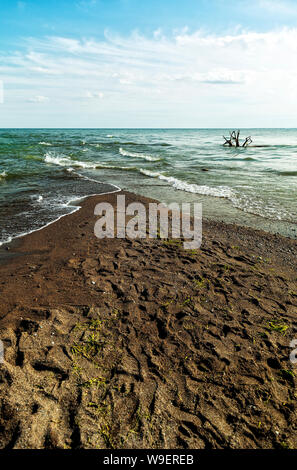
(143, 156)
(256, 206)
(37, 197)
(65, 161)
(152, 174)
(106, 166)
(45, 143)
(3, 174)
(68, 204)
(8, 240)
(244, 202)
(249, 204)
(96, 145)
(61, 161)
(219, 191)
(72, 164)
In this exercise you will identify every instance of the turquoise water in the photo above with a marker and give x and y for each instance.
(42, 171)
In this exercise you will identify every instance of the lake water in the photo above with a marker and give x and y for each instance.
(43, 171)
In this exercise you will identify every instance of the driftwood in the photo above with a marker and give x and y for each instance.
(233, 141)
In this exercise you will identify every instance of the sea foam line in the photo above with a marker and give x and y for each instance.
(143, 156)
(65, 161)
(76, 208)
(220, 191)
(71, 164)
(241, 201)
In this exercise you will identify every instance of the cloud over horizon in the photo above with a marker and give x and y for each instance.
(197, 75)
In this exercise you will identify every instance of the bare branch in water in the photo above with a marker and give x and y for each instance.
(234, 140)
(228, 141)
(247, 141)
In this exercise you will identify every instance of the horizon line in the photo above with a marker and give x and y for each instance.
(152, 128)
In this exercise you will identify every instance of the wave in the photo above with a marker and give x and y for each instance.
(61, 161)
(240, 159)
(241, 201)
(113, 144)
(256, 206)
(37, 198)
(121, 142)
(18, 175)
(287, 173)
(278, 146)
(247, 203)
(33, 157)
(143, 156)
(281, 172)
(162, 144)
(219, 191)
(71, 164)
(66, 161)
(156, 144)
(106, 166)
(99, 145)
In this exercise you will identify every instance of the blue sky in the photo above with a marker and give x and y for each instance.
(165, 63)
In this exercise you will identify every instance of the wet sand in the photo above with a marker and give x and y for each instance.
(142, 344)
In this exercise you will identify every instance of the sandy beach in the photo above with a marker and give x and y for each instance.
(142, 344)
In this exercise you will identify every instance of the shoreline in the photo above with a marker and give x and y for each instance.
(15, 241)
(72, 202)
(119, 343)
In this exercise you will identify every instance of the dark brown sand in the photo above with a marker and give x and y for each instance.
(142, 344)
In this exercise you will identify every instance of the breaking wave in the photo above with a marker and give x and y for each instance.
(219, 191)
(143, 156)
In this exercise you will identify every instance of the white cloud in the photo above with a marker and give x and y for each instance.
(245, 73)
(94, 94)
(39, 99)
(279, 7)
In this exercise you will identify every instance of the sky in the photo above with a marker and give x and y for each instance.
(148, 63)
